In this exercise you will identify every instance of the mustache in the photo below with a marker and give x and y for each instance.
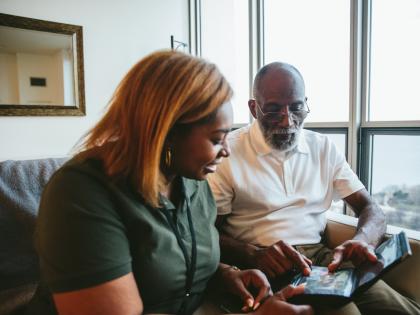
(283, 131)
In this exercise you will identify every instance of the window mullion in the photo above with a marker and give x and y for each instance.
(365, 153)
(256, 41)
(194, 20)
(356, 81)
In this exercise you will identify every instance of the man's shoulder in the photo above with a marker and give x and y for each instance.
(239, 132)
(239, 136)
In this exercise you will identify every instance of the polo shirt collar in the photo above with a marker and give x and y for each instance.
(302, 146)
(261, 147)
(190, 187)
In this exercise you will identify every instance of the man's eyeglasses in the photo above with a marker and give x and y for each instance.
(296, 110)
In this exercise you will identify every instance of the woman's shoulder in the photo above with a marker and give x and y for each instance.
(79, 169)
(77, 179)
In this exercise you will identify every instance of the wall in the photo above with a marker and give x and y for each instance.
(116, 34)
(39, 66)
(9, 92)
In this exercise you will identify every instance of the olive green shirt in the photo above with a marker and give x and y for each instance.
(92, 230)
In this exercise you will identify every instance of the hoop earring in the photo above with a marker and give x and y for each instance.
(168, 157)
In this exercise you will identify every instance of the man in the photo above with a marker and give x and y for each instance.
(272, 193)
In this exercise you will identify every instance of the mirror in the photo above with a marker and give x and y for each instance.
(41, 68)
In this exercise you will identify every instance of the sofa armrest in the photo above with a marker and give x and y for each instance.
(404, 278)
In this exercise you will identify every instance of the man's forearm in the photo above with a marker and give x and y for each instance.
(236, 252)
(371, 226)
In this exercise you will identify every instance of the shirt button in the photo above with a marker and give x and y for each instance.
(187, 294)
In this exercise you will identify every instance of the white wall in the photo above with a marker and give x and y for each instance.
(116, 34)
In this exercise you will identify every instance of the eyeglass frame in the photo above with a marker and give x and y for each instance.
(288, 109)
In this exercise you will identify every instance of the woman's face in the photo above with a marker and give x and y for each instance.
(198, 152)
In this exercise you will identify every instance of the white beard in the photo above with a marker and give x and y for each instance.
(275, 138)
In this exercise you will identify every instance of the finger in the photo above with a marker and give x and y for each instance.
(337, 259)
(244, 294)
(308, 261)
(296, 257)
(289, 291)
(264, 290)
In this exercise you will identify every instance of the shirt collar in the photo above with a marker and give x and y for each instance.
(261, 147)
(302, 146)
(189, 187)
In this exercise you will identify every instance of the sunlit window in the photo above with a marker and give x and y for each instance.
(314, 36)
(395, 62)
(395, 178)
(225, 41)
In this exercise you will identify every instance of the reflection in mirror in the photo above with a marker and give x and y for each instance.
(41, 67)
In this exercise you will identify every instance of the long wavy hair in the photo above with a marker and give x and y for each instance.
(161, 90)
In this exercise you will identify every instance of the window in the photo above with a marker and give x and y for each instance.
(395, 62)
(390, 150)
(317, 42)
(360, 63)
(393, 164)
(225, 41)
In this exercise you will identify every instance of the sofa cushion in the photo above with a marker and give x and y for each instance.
(21, 185)
(13, 301)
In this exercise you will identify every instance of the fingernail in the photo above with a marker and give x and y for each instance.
(256, 306)
(249, 302)
(245, 309)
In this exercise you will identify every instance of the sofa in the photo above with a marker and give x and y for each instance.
(21, 185)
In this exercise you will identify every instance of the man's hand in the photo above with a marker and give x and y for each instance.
(354, 250)
(280, 258)
(239, 281)
(277, 304)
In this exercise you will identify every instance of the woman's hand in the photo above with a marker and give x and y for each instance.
(277, 304)
(238, 282)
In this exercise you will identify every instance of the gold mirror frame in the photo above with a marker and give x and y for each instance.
(59, 28)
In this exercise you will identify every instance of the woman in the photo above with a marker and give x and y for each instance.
(127, 225)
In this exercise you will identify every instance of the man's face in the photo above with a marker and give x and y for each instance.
(280, 96)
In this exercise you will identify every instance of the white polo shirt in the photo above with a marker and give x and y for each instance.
(270, 197)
